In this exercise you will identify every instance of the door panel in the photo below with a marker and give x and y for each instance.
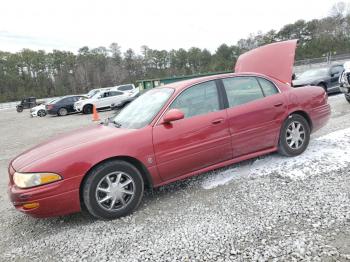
(255, 126)
(255, 113)
(200, 139)
(191, 144)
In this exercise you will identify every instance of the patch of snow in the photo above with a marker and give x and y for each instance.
(336, 97)
(324, 154)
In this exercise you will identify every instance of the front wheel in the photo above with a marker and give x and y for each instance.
(87, 109)
(294, 136)
(113, 189)
(41, 113)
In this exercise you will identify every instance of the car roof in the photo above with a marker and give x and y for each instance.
(180, 85)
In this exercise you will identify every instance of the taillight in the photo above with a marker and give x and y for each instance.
(49, 107)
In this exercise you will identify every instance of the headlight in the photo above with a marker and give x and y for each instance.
(26, 180)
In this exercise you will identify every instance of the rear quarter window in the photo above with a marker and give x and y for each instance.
(268, 87)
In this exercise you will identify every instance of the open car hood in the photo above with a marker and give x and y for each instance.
(275, 60)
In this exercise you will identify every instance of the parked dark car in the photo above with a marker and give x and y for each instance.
(63, 106)
(326, 77)
(26, 103)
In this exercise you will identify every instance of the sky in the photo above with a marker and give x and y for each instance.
(159, 24)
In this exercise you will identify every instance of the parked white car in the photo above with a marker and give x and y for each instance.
(40, 110)
(102, 100)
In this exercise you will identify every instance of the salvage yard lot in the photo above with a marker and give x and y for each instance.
(266, 208)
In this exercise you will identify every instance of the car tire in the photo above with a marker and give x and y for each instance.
(347, 97)
(62, 111)
(104, 195)
(87, 109)
(324, 86)
(41, 113)
(19, 109)
(294, 136)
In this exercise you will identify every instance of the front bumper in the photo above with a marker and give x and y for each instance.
(57, 205)
(55, 199)
(78, 108)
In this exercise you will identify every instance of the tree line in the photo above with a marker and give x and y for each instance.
(42, 74)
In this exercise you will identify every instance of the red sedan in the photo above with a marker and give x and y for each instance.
(170, 133)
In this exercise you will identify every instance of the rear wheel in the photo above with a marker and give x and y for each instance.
(19, 109)
(41, 113)
(62, 111)
(113, 189)
(87, 109)
(294, 136)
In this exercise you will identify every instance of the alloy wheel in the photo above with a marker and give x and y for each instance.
(295, 135)
(115, 191)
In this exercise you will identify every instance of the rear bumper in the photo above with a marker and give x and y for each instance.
(51, 112)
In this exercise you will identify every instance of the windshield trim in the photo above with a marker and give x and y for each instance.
(151, 121)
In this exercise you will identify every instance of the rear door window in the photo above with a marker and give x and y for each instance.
(242, 90)
(125, 88)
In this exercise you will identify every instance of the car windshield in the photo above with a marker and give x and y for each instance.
(96, 95)
(314, 73)
(142, 110)
(51, 101)
(92, 93)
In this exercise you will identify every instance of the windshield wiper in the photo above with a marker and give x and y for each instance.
(116, 124)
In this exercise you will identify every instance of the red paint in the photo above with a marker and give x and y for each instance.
(175, 150)
(274, 60)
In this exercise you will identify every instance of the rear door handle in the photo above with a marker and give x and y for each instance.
(217, 121)
(278, 104)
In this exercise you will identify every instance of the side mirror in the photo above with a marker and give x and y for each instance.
(173, 115)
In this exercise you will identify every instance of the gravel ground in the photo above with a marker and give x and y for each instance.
(271, 208)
